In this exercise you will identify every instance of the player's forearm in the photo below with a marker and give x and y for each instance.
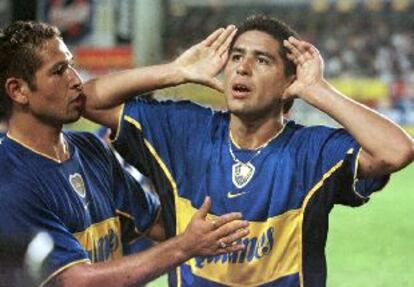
(382, 139)
(112, 90)
(134, 270)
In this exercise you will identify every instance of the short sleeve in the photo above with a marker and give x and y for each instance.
(335, 153)
(167, 126)
(24, 215)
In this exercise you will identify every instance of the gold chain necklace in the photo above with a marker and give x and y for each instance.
(243, 171)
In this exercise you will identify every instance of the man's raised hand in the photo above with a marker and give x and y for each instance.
(204, 61)
(309, 67)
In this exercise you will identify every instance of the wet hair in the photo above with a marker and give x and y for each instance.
(19, 46)
(279, 31)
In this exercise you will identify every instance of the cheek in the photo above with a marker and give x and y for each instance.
(59, 87)
(56, 92)
(227, 72)
(226, 80)
(272, 88)
(276, 82)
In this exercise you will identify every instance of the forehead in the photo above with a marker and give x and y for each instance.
(52, 51)
(257, 41)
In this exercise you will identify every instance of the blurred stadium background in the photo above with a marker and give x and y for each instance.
(368, 47)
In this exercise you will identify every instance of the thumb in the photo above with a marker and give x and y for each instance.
(286, 94)
(203, 210)
(290, 91)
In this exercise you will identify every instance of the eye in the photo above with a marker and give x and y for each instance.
(236, 57)
(60, 70)
(263, 60)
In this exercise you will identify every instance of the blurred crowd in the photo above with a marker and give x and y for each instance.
(358, 41)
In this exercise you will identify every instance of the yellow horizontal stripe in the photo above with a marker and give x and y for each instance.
(91, 237)
(274, 259)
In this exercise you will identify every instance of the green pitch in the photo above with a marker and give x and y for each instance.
(374, 245)
(371, 245)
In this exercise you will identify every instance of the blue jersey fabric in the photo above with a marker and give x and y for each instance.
(88, 204)
(299, 176)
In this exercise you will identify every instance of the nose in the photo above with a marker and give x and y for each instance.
(76, 82)
(244, 67)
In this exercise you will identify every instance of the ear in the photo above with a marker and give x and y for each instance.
(18, 90)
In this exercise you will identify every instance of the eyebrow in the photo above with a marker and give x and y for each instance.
(255, 52)
(237, 49)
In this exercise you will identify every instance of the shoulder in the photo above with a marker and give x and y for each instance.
(87, 147)
(16, 189)
(82, 137)
(169, 105)
(14, 166)
(312, 140)
(318, 133)
(302, 130)
(18, 171)
(86, 141)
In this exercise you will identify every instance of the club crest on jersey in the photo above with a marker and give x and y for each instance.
(76, 181)
(242, 173)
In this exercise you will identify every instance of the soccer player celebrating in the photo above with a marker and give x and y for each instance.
(70, 185)
(283, 176)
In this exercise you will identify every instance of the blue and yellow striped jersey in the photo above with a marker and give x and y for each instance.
(88, 204)
(286, 193)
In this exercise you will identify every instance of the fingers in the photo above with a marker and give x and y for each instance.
(234, 248)
(229, 228)
(231, 248)
(233, 237)
(209, 237)
(222, 244)
(232, 230)
(232, 242)
(222, 220)
(299, 51)
(219, 36)
(212, 37)
(223, 38)
(223, 42)
(298, 47)
(203, 210)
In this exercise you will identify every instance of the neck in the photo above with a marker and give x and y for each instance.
(3, 127)
(43, 139)
(253, 134)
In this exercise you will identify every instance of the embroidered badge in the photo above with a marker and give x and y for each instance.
(242, 173)
(76, 181)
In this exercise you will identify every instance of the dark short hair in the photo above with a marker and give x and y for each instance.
(19, 57)
(279, 31)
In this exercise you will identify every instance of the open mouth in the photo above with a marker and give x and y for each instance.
(240, 90)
